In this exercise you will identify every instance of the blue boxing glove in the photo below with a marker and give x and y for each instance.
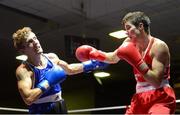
(93, 65)
(52, 77)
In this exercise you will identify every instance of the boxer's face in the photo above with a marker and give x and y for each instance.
(132, 31)
(32, 45)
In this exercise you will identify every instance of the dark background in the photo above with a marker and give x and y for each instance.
(87, 21)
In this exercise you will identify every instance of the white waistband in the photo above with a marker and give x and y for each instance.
(145, 86)
(50, 98)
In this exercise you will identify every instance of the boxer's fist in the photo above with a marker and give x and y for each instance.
(86, 52)
(129, 52)
(53, 76)
(93, 65)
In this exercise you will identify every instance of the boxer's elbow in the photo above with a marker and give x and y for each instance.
(28, 101)
(154, 78)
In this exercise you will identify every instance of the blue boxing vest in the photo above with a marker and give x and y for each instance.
(39, 76)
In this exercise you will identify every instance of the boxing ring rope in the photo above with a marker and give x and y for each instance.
(70, 111)
(74, 111)
(97, 109)
(13, 109)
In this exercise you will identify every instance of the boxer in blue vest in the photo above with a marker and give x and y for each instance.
(40, 76)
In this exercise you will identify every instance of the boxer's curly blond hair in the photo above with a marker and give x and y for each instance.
(20, 36)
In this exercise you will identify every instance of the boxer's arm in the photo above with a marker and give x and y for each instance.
(24, 83)
(70, 69)
(86, 66)
(111, 57)
(76, 68)
(86, 52)
(160, 61)
(108, 57)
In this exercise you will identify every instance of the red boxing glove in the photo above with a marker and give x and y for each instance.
(129, 52)
(86, 52)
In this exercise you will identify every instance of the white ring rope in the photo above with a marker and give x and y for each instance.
(97, 109)
(13, 109)
(74, 111)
